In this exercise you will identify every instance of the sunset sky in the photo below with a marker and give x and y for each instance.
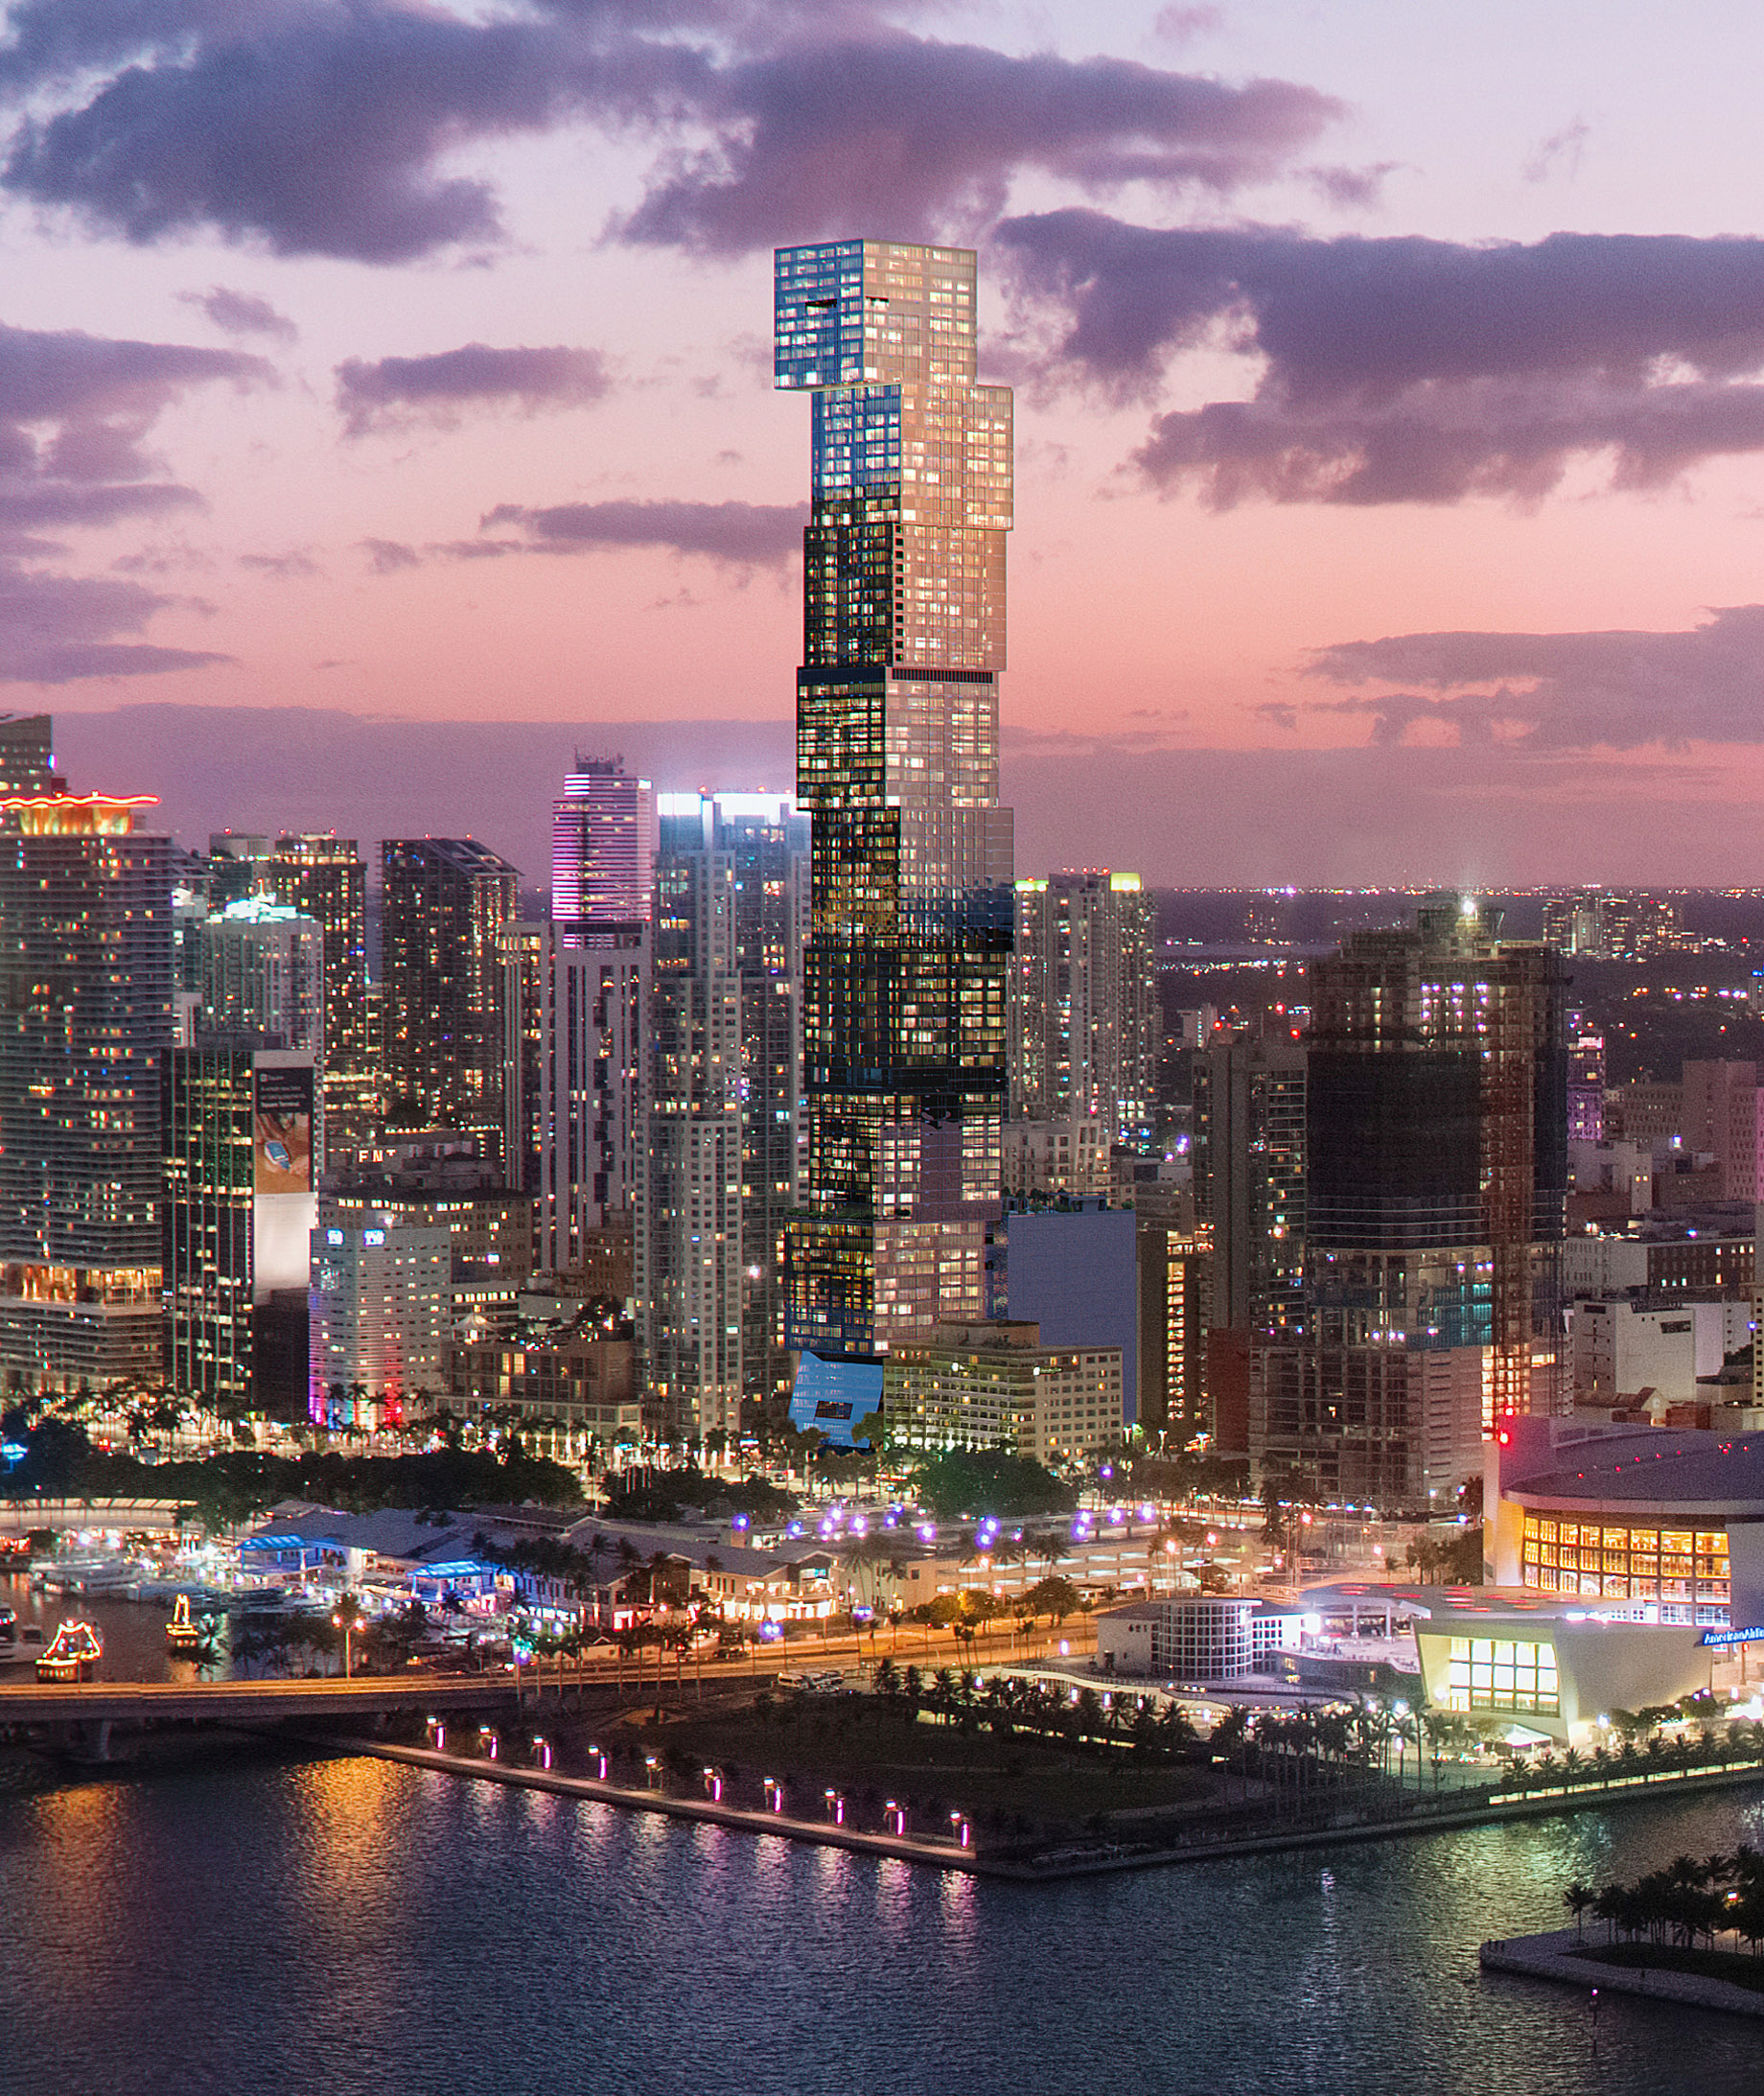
(385, 410)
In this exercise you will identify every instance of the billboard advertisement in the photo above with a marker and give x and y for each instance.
(832, 1396)
(282, 1133)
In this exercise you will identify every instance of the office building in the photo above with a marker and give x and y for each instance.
(443, 901)
(1178, 1403)
(1249, 1177)
(1436, 1168)
(1083, 1012)
(603, 845)
(85, 935)
(241, 1127)
(897, 765)
(722, 1107)
(1719, 1118)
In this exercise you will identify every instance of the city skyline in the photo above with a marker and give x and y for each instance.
(486, 437)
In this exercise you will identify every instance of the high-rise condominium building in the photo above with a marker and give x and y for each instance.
(443, 902)
(1436, 1139)
(240, 1173)
(721, 1106)
(897, 766)
(1084, 1011)
(85, 940)
(581, 1013)
(262, 971)
(325, 878)
(603, 848)
(27, 755)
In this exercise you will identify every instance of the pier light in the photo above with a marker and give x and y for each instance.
(438, 1733)
(775, 1794)
(541, 1747)
(713, 1785)
(652, 1769)
(963, 1831)
(836, 1807)
(489, 1741)
(597, 1756)
(897, 1817)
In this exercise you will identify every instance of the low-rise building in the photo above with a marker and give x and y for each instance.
(1196, 1638)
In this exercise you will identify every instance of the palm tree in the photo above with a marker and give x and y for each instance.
(1578, 1899)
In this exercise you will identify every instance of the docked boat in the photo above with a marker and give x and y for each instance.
(182, 1633)
(73, 1653)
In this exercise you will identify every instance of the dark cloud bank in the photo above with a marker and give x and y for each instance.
(1408, 369)
(319, 128)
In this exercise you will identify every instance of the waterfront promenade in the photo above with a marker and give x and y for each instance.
(1555, 1955)
(1092, 1856)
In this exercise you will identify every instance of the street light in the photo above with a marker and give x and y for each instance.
(775, 1795)
(543, 1748)
(597, 1754)
(963, 1829)
(489, 1741)
(348, 1619)
(437, 1735)
(835, 1808)
(713, 1785)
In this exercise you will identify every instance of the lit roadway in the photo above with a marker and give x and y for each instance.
(248, 1702)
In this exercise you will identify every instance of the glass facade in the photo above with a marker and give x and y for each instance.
(905, 971)
(1684, 1570)
(85, 925)
(1502, 1674)
(443, 901)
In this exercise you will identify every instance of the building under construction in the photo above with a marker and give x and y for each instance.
(1436, 1139)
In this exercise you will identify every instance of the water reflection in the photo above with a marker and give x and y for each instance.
(352, 1925)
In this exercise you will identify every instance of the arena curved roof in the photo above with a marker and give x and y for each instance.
(1697, 1476)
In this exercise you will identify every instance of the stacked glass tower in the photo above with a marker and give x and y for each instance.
(906, 1067)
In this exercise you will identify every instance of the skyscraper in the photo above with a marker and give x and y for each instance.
(897, 766)
(325, 878)
(27, 755)
(443, 901)
(241, 1173)
(260, 971)
(603, 846)
(721, 1106)
(1083, 1010)
(1436, 1140)
(85, 943)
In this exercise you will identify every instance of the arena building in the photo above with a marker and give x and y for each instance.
(1659, 1525)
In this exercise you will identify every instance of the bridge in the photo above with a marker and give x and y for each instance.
(80, 1717)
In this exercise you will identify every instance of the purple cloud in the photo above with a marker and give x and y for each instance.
(1409, 369)
(436, 388)
(747, 534)
(322, 130)
(319, 129)
(74, 408)
(919, 135)
(1619, 691)
(238, 312)
(58, 629)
